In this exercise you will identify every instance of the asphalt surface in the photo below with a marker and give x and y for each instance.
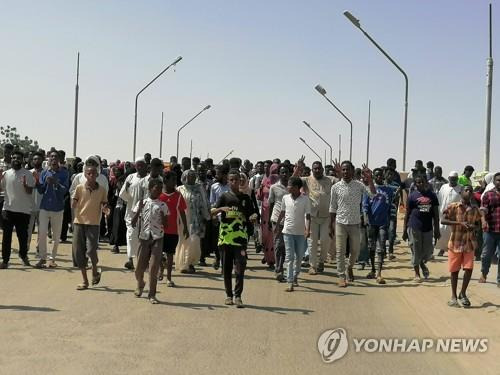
(48, 327)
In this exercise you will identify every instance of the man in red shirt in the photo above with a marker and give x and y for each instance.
(177, 208)
(490, 219)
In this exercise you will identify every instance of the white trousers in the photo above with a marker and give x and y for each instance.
(55, 219)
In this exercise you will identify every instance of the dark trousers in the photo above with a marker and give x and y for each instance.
(66, 218)
(206, 241)
(21, 222)
(279, 249)
(233, 256)
(393, 223)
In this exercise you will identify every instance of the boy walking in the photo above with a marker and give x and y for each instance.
(151, 214)
(296, 209)
(177, 208)
(88, 201)
(464, 219)
(236, 211)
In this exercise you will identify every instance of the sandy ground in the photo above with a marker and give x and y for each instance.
(47, 327)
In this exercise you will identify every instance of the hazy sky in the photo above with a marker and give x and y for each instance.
(256, 62)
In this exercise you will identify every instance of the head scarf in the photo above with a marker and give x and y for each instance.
(244, 184)
(184, 179)
(489, 183)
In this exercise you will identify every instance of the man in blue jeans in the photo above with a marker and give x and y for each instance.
(490, 219)
(296, 209)
(378, 211)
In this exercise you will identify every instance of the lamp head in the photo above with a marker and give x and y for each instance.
(177, 60)
(302, 139)
(306, 124)
(353, 19)
(320, 89)
(207, 107)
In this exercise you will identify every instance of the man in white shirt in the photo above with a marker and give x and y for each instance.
(345, 213)
(17, 184)
(296, 211)
(134, 190)
(37, 197)
(449, 193)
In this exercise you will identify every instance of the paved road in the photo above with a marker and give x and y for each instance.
(47, 327)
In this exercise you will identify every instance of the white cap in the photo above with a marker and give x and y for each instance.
(453, 174)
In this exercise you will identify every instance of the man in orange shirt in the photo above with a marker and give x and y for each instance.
(464, 219)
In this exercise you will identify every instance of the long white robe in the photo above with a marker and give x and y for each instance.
(137, 190)
(447, 194)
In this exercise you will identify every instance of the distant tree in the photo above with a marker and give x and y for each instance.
(10, 135)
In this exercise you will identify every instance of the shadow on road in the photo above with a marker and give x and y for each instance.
(194, 306)
(279, 310)
(27, 308)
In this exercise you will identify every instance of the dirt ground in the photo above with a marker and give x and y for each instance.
(48, 327)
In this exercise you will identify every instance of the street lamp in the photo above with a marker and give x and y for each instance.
(356, 23)
(225, 157)
(320, 137)
(140, 92)
(310, 148)
(322, 91)
(161, 135)
(186, 124)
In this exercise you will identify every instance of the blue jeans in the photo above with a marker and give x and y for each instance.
(295, 247)
(491, 244)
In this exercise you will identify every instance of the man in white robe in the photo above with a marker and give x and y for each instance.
(449, 193)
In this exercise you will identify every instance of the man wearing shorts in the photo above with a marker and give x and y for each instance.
(464, 219)
(177, 208)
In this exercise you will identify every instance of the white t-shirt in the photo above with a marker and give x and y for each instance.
(16, 197)
(151, 223)
(295, 213)
(276, 194)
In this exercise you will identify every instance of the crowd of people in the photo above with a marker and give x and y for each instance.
(170, 214)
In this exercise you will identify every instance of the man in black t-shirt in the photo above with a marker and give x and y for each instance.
(236, 211)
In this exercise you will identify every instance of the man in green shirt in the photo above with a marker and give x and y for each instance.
(464, 179)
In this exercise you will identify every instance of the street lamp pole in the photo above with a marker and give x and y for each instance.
(77, 89)
(320, 137)
(137, 98)
(489, 87)
(225, 157)
(322, 91)
(356, 23)
(340, 148)
(310, 148)
(368, 136)
(186, 124)
(161, 135)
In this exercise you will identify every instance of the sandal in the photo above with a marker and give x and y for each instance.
(53, 264)
(380, 280)
(160, 277)
(417, 279)
(170, 283)
(153, 300)
(96, 279)
(453, 303)
(82, 286)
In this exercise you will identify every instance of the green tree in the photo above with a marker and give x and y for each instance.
(10, 135)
